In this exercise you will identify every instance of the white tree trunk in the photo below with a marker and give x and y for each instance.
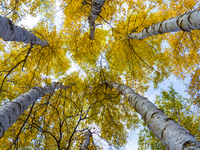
(86, 141)
(95, 11)
(11, 32)
(173, 136)
(185, 22)
(12, 110)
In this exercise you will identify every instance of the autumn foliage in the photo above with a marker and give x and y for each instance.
(60, 119)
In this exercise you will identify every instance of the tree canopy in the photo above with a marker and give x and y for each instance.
(131, 42)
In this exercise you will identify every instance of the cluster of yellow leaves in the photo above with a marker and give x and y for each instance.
(183, 52)
(174, 8)
(85, 50)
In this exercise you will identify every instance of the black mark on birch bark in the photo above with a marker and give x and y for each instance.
(135, 106)
(145, 117)
(19, 107)
(160, 27)
(153, 114)
(163, 132)
(187, 144)
(166, 26)
(180, 24)
(10, 24)
(143, 104)
(147, 28)
(189, 16)
(170, 119)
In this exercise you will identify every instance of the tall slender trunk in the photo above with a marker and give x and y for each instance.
(95, 11)
(11, 32)
(86, 141)
(173, 136)
(12, 110)
(185, 22)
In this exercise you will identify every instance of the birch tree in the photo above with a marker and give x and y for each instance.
(95, 11)
(11, 32)
(12, 110)
(86, 141)
(173, 136)
(185, 22)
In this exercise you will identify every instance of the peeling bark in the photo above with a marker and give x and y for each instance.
(185, 22)
(12, 110)
(11, 32)
(86, 141)
(95, 11)
(172, 135)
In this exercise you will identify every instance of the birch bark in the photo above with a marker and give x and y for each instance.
(185, 22)
(11, 32)
(12, 110)
(95, 11)
(86, 141)
(173, 136)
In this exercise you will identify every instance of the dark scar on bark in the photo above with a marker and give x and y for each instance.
(10, 24)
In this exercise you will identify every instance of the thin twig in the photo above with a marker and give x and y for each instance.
(9, 74)
(27, 55)
(141, 58)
